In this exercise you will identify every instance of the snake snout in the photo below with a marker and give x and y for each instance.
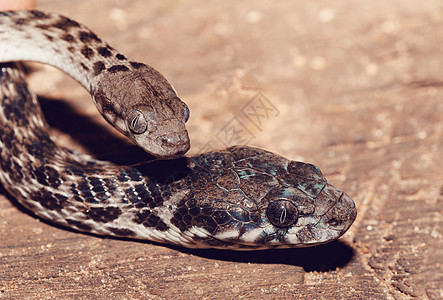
(341, 216)
(177, 143)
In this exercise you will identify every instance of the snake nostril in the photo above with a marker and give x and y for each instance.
(169, 140)
(173, 140)
(175, 145)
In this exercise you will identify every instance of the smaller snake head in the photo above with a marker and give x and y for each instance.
(263, 201)
(143, 105)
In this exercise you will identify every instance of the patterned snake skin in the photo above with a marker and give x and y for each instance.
(131, 96)
(240, 198)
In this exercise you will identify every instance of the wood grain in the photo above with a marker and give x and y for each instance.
(358, 91)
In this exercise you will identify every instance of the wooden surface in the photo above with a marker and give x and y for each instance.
(352, 86)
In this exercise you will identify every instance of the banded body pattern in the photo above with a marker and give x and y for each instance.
(134, 97)
(61, 42)
(238, 198)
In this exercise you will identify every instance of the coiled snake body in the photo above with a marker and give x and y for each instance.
(237, 198)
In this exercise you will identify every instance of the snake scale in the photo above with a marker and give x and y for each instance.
(131, 96)
(239, 198)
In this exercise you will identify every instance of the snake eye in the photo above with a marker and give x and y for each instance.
(282, 213)
(187, 113)
(137, 122)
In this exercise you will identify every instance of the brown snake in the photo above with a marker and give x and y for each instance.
(131, 96)
(238, 198)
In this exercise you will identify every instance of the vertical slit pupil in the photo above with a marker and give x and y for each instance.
(283, 215)
(134, 121)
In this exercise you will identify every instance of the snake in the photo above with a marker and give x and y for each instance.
(238, 198)
(133, 97)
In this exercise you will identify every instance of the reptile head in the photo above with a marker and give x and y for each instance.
(259, 200)
(143, 105)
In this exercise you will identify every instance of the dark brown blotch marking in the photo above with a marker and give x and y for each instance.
(54, 178)
(161, 226)
(111, 185)
(137, 65)
(87, 52)
(7, 13)
(148, 219)
(11, 167)
(71, 49)
(68, 37)
(120, 56)
(50, 201)
(205, 222)
(118, 68)
(48, 176)
(97, 184)
(98, 67)
(50, 38)
(178, 221)
(122, 176)
(20, 21)
(38, 14)
(65, 23)
(131, 196)
(142, 191)
(156, 197)
(104, 214)
(87, 36)
(43, 26)
(84, 67)
(104, 51)
(80, 225)
(121, 231)
(134, 174)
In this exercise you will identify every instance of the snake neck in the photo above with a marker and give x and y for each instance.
(133, 97)
(58, 41)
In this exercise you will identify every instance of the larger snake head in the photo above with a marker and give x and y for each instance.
(143, 105)
(260, 200)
